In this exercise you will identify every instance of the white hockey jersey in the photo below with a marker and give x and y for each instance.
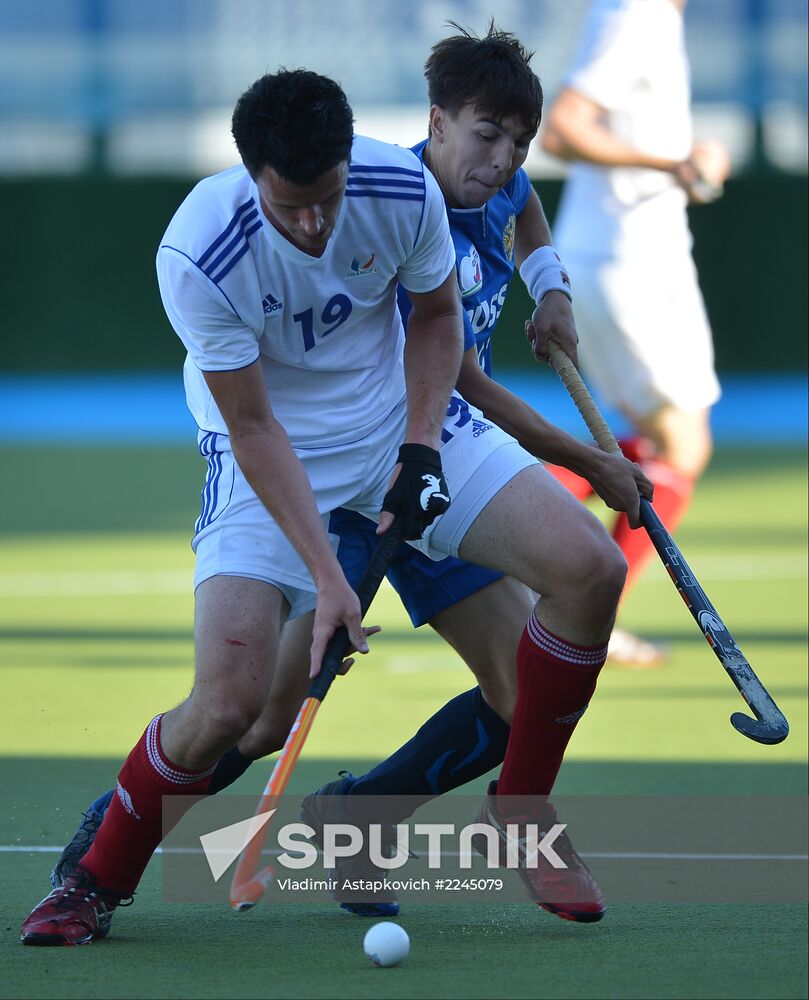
(326, 329)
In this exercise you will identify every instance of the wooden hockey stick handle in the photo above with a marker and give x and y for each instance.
(580, 395)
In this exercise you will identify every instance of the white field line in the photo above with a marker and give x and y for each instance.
(601, 855)
(80, 583)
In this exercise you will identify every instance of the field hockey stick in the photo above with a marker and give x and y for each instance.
(248, 885)
(769, 725)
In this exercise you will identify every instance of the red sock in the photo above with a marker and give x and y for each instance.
(555, 681)
(132, 826)
(672, 495)
(578, 486)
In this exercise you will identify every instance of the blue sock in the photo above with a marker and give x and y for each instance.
(101, 804)
(230, 766)
(463, 740)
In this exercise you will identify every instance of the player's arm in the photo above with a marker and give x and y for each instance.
(432, 357)
(552, 318)
(616, 480)
(225, 350)
(265, 455)
(577, 128)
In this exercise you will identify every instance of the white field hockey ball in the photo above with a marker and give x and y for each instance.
(386, 944)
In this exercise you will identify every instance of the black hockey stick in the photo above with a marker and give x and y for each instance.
(769, 725)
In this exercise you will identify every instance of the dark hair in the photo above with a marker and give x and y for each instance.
(490, 73)
(297, 122)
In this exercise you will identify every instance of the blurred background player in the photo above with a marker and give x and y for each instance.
(622, 118)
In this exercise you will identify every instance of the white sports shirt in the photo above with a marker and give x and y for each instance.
(632, 61)
(326, 329)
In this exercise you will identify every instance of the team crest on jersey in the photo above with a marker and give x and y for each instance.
(271, 305)
(508, 236)
(360, 266)
(470, 272)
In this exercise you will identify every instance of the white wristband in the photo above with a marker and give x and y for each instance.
(543, 272)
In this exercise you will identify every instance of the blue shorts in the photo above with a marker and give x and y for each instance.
(425, 586)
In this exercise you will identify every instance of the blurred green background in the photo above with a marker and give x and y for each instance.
(93, 305)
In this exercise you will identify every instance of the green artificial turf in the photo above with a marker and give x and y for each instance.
(95, 638)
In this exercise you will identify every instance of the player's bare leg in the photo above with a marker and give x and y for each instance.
(287, 691)
(537, 531)
(484, 629)
(681, 438)
(266, 735)
(237, 623)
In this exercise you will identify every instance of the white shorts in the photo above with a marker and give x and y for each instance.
(236, 536)
(644, 337)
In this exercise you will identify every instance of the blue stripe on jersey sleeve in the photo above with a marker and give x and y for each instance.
(363, 168)
(423, 203)
(386, 182)
(385, 194)
(216, 278)
(200, 262)
(240, 235)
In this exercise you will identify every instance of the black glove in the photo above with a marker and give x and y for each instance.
(420, 492)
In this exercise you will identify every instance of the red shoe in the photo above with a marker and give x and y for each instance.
(571, 892)
(76, 912)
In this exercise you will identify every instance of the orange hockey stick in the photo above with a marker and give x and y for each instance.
(248, 884)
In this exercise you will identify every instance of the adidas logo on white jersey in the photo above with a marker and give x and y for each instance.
(479, 427)
(271, 305)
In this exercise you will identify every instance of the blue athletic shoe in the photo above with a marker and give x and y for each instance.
(82, 841)
(332, 804)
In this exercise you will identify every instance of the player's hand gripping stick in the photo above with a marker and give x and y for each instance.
(769, 725)
(248, 885)
(419, 494)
